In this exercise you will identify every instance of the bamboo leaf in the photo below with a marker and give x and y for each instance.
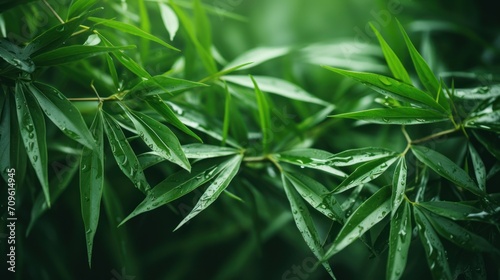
(368, 214)
(73, 53)
(446, 168)
(202, 151)
(399, 241)
(397, 68)
(178, 185)
(310, 158)
(14, 55)
(169, 19)
(276, 86)
(399, 184)
(227, 115)
(79, 7)
(220, 183)
(458, 211)
(459, 235)
(399, 115)
(124, 154)
(91, 183)
(264, 115)
(131, 29)
(33, 133)
(436, 255)
(305, 224)
(164, 110)
(62, 113)
(392, 88)
(159, 138)
(361, 155)
(161, 85)
(365, 173)
(257, 56)
(317, 195)
(479, 168)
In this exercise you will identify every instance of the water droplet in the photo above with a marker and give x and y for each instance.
(60, 28)
(385, 80)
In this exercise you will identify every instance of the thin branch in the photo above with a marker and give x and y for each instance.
(53, 11)
(433, 136)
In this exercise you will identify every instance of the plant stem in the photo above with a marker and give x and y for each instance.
(53, 11)
(436, 135)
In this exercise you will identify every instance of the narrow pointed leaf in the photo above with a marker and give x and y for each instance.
(169, 19)
(220, 183)
(62, 113)
(5, 134)
(304, 223)
(32, 128)
(399, 184)
(400, 115)
(124, 154)
(310, 158)
(317, 195)
(257, 56)
(264, 115)
(399, 241)
(178, 185)
(459, 235)
(424, 72)
(131, 29)
(91, 183)
(357, 156)
(392, 88)
(159, 138)
(202, 151)
(489, 120)
(368, 214)
(397, 68)
(365, 173)
(276, 86)
(15, 56)
(112, 70)
(166, 112)
(446, 168)
(79, 7)
(227, 115)
(479, 168)
(458, 211)
(436, 255)
(161, 85)
(202, 25)
(73, 53)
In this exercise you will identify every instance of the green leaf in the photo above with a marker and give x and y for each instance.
(5, 135)
(488, 120)
(446, 168)
(178, 185)
(276, 86)
(361, 155)
(73, 53)
(399, 115)
(459, 235)
(164, 110)
(131, 29)
(32, 128)
(149, 159)
(436, 255)
(479, 93)
(397, 68)
(479, 168)
(490, 141)
(257, 56)
(399, 184)
(202, 25)
(365, 173)
(161, 85)
(15, 56)
(79, 7)
(423, 70)
(227, 115)
(317, 195)
(392, 88)
(112, 70)
(264, 115)
(91, 183)
(62, 113)
(159, 138)
(202, 151)
(305, 224)
(310, 158)
(220, 183)
(399, 241)
(169, 19)
(58, 184)
(457, 211)
(124, 154)
(54, 36)
(369, 213)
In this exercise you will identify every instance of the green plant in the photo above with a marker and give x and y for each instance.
(189, 124)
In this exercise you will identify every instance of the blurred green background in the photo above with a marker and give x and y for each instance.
(256, 239)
